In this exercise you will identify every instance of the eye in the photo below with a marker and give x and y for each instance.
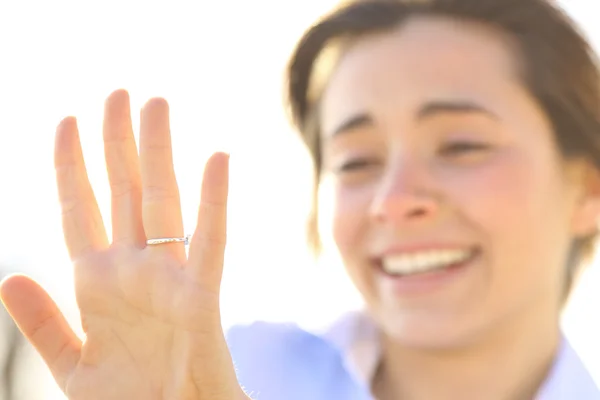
(358, 164)
(463, 148)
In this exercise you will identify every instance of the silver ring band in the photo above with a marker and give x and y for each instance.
(185, 240)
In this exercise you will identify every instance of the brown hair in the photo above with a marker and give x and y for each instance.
(558, 68)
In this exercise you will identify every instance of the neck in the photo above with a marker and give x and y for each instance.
(509, 363)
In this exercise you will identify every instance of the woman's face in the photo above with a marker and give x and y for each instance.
(453, 210)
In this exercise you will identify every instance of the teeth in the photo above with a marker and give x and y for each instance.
(425, 261)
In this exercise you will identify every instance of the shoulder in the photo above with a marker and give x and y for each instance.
(273, 360)
(277, 345)
(300, 343)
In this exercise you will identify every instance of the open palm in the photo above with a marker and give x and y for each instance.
(150, 313)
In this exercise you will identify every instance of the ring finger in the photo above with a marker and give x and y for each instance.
(161, 208)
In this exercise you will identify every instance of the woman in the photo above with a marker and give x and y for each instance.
(460, 140)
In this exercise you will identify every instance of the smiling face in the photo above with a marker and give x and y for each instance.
(453, 209)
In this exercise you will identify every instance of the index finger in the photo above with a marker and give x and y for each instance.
(83, 226)
(207, 248)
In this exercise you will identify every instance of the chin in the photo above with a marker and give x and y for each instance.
(427, 332)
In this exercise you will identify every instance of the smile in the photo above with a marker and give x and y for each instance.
(426, 261)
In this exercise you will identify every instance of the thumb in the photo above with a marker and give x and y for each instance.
(42, 323)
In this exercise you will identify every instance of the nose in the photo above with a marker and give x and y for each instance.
(405, 195)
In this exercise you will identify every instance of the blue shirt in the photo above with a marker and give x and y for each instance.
(285, 362)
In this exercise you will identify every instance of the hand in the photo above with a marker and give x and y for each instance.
(150, 313)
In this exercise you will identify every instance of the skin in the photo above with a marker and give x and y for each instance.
(143, 340)
(420, 156)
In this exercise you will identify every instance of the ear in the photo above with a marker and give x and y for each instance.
(586, 219)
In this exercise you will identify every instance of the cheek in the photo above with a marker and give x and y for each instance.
(518, 207)
(494, 196)
(350, 215)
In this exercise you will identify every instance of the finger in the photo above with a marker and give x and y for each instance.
(161, 209)
(207, 247)
(83, 227)
(122, 165)
(42, 323)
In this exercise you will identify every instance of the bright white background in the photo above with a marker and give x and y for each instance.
(220, 65)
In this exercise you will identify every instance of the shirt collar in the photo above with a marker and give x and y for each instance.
(355, 335)
(568, 378)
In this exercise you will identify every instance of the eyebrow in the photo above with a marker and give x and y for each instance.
(433, 108)
(428, 110)
(357, 121)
